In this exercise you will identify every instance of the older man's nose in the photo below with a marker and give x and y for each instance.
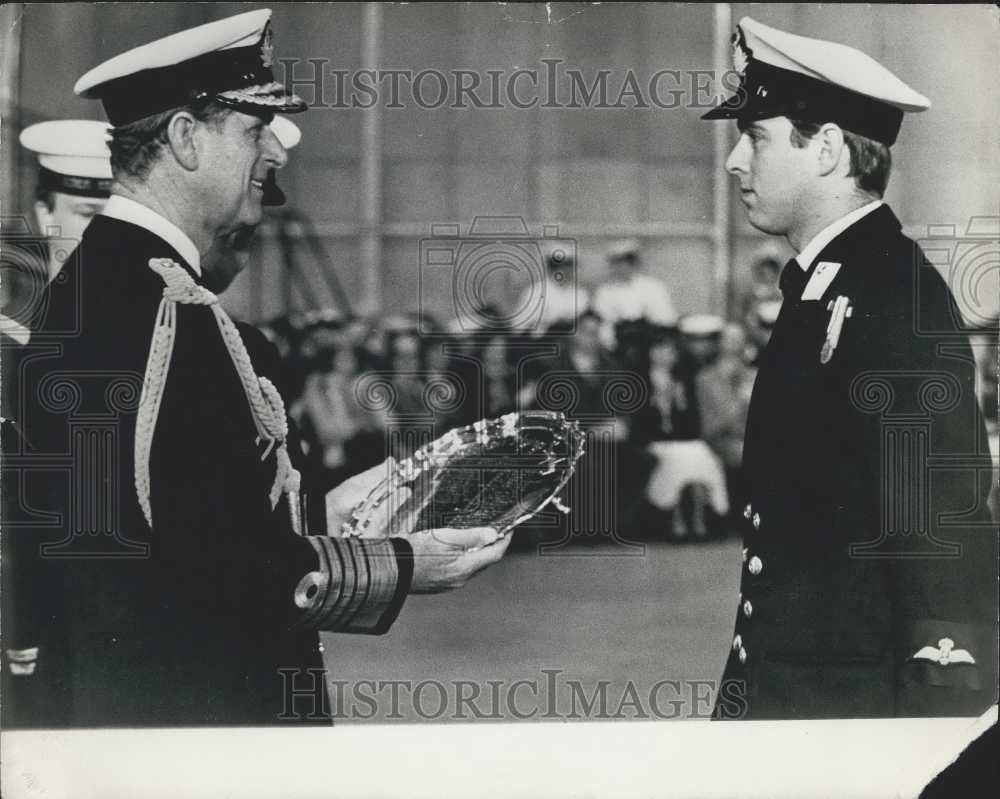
(275, 153)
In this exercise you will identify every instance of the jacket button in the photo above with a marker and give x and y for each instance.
(747, 511)
(737, 642)
(756, 565)
(756, 521)
(747, 608)
(743, 655)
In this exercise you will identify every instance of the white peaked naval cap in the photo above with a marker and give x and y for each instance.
(784, 74)
(229, 61)
(73, 155)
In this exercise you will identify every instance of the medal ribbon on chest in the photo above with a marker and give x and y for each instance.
(840, 309)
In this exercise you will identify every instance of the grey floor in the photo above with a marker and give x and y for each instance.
(588, 623)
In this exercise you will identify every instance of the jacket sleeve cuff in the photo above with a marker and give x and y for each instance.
(22, 662)
(358, 585)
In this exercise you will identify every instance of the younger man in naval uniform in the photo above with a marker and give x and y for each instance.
(870, 572)
(183, 593)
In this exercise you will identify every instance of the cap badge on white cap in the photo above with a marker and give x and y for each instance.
(741, 53)
(784, 74)
(267, 47)
(229, 60)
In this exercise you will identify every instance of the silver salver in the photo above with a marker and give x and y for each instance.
(494, 473)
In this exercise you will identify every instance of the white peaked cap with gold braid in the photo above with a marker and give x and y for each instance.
(229, 60)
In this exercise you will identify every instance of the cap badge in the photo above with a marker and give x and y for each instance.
(266, 47)
(741, 53)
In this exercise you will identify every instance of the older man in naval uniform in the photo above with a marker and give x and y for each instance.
(870, 572)
(184, 592)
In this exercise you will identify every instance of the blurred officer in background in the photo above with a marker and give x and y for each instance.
(630, 294)
(559, 296)
(74, 178)
(869, 576)
(73, 184)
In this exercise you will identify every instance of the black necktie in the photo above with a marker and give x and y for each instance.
(792, 280)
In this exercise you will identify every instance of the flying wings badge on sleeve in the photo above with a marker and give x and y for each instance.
(944, 653)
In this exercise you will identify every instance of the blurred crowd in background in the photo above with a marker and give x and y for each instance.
(662, 394)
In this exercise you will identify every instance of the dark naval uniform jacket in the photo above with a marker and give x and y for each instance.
(26, 685)
(870, 563)
(209, 615)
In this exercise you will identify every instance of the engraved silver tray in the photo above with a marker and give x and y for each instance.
(494, 473)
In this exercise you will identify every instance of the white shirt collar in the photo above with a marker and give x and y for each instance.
(127, 210)
(830, 232)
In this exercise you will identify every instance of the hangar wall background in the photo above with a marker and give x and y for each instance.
(373, 189)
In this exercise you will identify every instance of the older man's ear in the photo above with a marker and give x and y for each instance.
(181, 138)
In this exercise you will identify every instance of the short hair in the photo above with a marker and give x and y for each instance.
(871, 161)
(135, 146)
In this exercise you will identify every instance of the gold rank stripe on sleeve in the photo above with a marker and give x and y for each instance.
(383, 576)
(352, 587)
(22, 662)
